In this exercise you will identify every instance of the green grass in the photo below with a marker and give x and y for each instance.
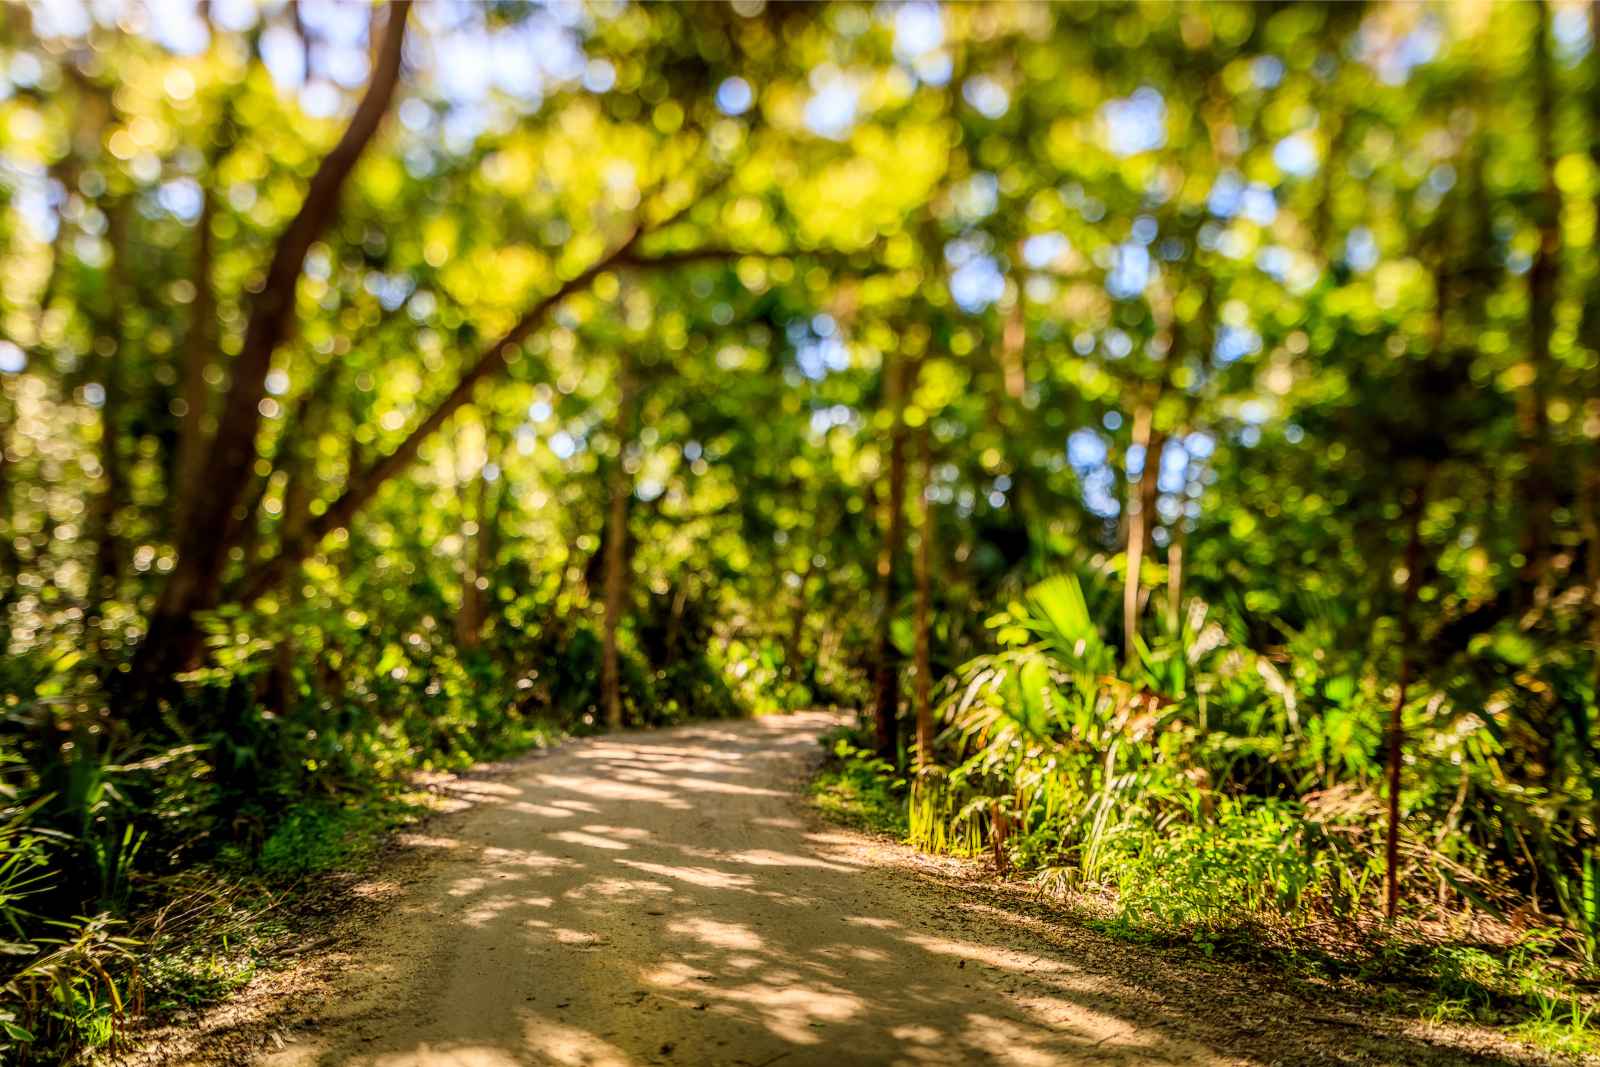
(858, 790)
(1563, 1024)
(1525, 990)
(320, 836)
(197, 936)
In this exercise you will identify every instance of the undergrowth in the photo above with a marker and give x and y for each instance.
(1202, 894)
(173, 927)
(857, 789)
(1187, 795)
(149, 862)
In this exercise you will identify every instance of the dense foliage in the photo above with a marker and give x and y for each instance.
(1175, 426)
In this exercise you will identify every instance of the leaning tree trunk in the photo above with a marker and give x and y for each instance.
(194, 586)
(886, 662)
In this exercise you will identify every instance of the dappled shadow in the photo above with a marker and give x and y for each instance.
(664, 898)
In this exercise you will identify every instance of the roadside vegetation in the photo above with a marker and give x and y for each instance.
(1210, 796)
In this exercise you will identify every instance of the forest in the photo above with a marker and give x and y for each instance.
(1164, 438)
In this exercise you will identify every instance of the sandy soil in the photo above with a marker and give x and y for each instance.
(668, 898)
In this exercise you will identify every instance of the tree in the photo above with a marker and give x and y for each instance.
(196, 581)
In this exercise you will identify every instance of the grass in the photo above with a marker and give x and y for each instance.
(199, 935)
(218, 926)
(209, 941)
(1563, 1025)
(329, 835)
(1513, 981)
(858, 790)
(1509, 981)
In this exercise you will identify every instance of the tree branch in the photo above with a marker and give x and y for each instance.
(365, 485)
(232, 451)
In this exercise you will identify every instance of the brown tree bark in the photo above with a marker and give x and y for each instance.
(481, 545)
(1396, 731)
(924, 659)
(195, 582)
(617, 551)
(199, 352)
(1141, 509)
(1175, 575)
(1538, 490)
(106, 572)
(10, 558)
(797, 623)
(886, 661)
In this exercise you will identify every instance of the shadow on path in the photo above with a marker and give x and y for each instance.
(666, 898)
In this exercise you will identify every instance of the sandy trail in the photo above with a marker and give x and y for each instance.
(666, 898)
(669, 898)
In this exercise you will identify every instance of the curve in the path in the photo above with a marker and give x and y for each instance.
(666, 898)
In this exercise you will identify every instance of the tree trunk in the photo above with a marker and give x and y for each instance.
(797, 622)
(1141, 508)
(1396, 735)
(680, 603)
(479, 551)
(1588, 490)
(490, 495)
(199, 351)
(886, 663)
(1538, 481)
(1013, 338)
(1589, 460)
(10, 558)
(469, 620)
(194, 585)
(617, 552)
(1175, 575)
(107, 569)
(924, 658)
(173, 636)
(364, 483)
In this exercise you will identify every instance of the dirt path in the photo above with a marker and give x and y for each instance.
(667, 898)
